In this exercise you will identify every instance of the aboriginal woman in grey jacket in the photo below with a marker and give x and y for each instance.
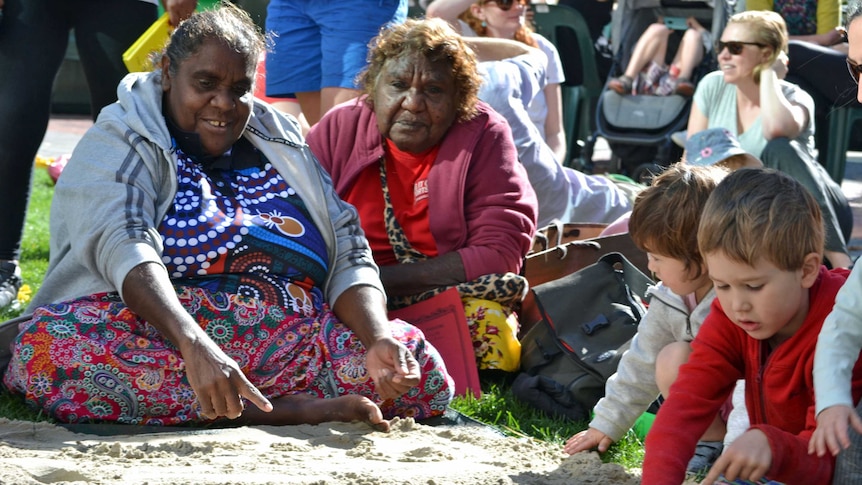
(203, 268)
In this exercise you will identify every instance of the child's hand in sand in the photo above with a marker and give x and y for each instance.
(587, 440)
(392, 367)
(747, 458)
(831, 432)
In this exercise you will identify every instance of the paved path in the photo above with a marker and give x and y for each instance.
(64, 132)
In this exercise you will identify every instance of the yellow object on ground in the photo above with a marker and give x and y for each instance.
(24, 294)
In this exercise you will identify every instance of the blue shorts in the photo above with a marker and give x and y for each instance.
(323, 43)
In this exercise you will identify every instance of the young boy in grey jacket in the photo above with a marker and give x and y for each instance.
(663, 223)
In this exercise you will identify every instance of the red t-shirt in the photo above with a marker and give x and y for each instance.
(407, 178)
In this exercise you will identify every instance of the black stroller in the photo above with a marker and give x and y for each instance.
(639, 128)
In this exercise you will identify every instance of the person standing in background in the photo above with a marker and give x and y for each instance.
(39, 29)
(319, 48)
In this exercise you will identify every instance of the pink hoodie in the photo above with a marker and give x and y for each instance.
(481, 203)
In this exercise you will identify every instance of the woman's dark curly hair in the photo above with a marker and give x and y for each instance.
(434, 39)
(227, 23)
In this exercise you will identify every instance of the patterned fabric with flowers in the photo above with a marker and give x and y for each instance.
(93, 360)
(799, 15)
(239, 266)
(245, 232)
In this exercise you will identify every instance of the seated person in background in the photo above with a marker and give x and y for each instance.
(816, 47)
(647, 71)
(771, 118)
(761, 236)
(189, 298)
(512, 74)
(839, 427)
(435, 176)
(507, 19)
(664, 225)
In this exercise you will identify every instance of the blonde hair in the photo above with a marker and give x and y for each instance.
(769, 29)
(762, 213)
(666, 214)
(437, 42)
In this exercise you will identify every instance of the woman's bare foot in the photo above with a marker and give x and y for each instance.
(305, 409)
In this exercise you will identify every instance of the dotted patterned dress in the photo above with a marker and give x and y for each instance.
(247, 262)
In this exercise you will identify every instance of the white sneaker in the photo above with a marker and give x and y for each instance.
(10, 282)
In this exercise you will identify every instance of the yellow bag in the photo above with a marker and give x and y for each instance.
(137, 56)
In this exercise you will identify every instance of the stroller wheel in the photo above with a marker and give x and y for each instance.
(645, 172)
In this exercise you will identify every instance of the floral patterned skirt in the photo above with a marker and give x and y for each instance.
(494, 331)
(94, 360)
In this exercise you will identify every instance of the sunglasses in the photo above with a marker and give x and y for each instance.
(733, 46)
(506, 5)
(855, 70)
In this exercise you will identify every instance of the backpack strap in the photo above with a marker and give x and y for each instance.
(634, 278)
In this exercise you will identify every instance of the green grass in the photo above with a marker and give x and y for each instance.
(497, 407)
(34, 247)
(34, 262)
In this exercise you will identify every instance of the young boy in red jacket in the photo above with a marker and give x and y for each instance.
(762, 237)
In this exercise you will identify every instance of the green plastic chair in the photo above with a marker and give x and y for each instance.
(415, 12)
(841, 122)
(577, 100)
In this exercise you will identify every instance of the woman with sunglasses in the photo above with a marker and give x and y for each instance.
(816, 45)
(771, 118)
(507, 19)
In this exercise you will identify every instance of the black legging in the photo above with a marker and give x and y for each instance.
(786, 156)
(33, 38)
(822, 73)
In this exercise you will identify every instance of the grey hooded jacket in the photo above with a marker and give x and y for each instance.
(121, 180)
(630, 391)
